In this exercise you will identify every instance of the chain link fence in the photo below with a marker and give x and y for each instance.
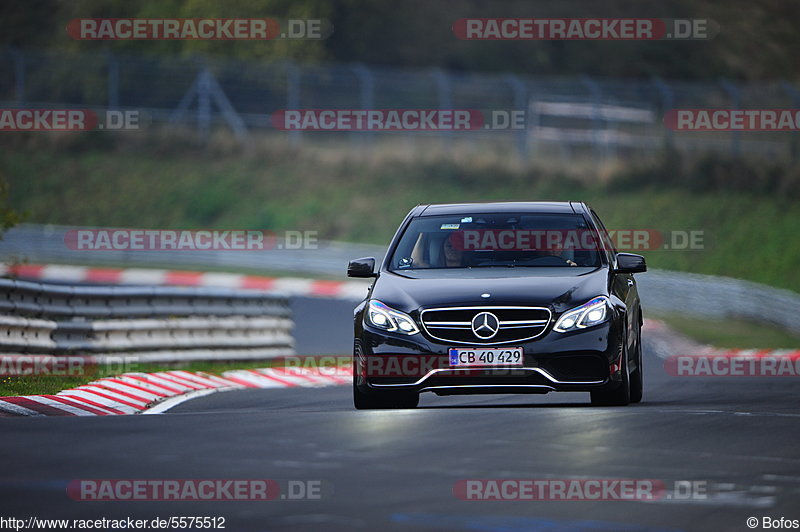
(564, 117)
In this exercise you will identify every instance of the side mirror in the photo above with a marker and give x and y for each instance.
(362, 267)
(630, 263)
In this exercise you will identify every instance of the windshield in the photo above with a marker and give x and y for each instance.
(497, 240)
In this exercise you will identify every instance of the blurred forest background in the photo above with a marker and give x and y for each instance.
(758, 40)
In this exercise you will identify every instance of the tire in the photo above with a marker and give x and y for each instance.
(621, 395)
(384, 400)
(377, 400)
(637, 384)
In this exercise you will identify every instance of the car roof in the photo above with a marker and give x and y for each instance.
(562, 207)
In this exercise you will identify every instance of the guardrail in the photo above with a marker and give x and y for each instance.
(143, 323)
(45, 244)
(711, 296)
(667, 291)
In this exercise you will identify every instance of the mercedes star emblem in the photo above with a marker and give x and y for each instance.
(485, 325)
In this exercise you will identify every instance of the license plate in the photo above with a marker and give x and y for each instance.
(479, 356)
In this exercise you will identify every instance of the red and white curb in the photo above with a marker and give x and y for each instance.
(791, 354)
(686, 347)
(151, 393)
(291, 286)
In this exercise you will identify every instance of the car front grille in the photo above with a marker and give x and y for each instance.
(514, 324)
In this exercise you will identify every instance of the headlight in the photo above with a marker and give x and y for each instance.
(591, 313)
(386, 318)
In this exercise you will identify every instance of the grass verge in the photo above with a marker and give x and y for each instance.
(747, 211)
(733, 333)
(48, 385)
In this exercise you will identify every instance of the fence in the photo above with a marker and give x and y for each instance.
(152, 324)
(607, 118)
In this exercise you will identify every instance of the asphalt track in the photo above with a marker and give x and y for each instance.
(392, 470)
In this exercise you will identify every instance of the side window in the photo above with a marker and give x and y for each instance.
(608, 244)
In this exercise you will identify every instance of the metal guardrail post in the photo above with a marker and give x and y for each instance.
(177, 114)
(206, 88)
(667, 102)
(444, 94)
(204, 105)
(366, 96)
(794, 94)
(601, 149)
(293, 80)
(113, 81)
(520, 103)
(734, 94)
(229, 113)
(19, 75)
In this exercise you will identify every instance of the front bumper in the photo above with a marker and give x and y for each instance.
(582, 360)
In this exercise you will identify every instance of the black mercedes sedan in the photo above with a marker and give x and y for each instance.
(488, 298)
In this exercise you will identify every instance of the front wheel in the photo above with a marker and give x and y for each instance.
(621, 395)
(383, 400)
(637, 386)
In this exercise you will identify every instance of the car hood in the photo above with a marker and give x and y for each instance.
(547, 287)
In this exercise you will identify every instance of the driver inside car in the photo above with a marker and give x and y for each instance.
(447, 252)
(557, 250)
(453, 251)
